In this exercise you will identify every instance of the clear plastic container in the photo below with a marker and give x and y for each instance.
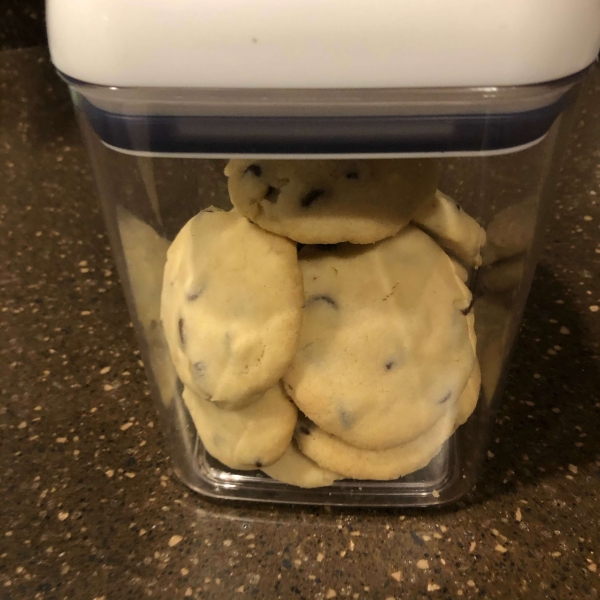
(160, 156)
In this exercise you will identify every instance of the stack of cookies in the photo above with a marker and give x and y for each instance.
(322, 328)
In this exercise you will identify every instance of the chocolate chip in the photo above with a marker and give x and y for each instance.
(193, 296)
(254, 169)
(352, 175)
(181, 333)
(323, 298)
(258, 464)
(311, 197)
(346, 419)
(272, 194)
(390, 365)
(199, 368)
(466, 311)
(445, 398)
(304, 429)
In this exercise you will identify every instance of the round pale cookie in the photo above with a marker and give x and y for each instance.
(511, 231)
(332, 453)
(145, 253)
(504, 275)
(331, 201)
(249, 438)
(469, 398)
(384, 342)
(494, 319)
(296, 469)
(231, 306)
(452, 227)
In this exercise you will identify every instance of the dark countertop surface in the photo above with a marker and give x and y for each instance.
(90, 509)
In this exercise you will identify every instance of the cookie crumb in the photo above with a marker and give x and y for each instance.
(331, 593)
(175, 539)
(320, 557)
(423, 564)
(472, 547)
(433, 587)
(518, 515)
(397, 575)
(500, 548)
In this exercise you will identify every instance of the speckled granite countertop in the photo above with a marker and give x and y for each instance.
(90, 509)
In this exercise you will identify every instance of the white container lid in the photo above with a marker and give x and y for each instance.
(322, 43)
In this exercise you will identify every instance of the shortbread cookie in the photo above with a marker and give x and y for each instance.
(385, 340)
(231, 306)
(249, 438)
(511, 231)
(296, 469)
(504, 275)
(145, 253)
(452, 227)
(331, 201)
(332, 453)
